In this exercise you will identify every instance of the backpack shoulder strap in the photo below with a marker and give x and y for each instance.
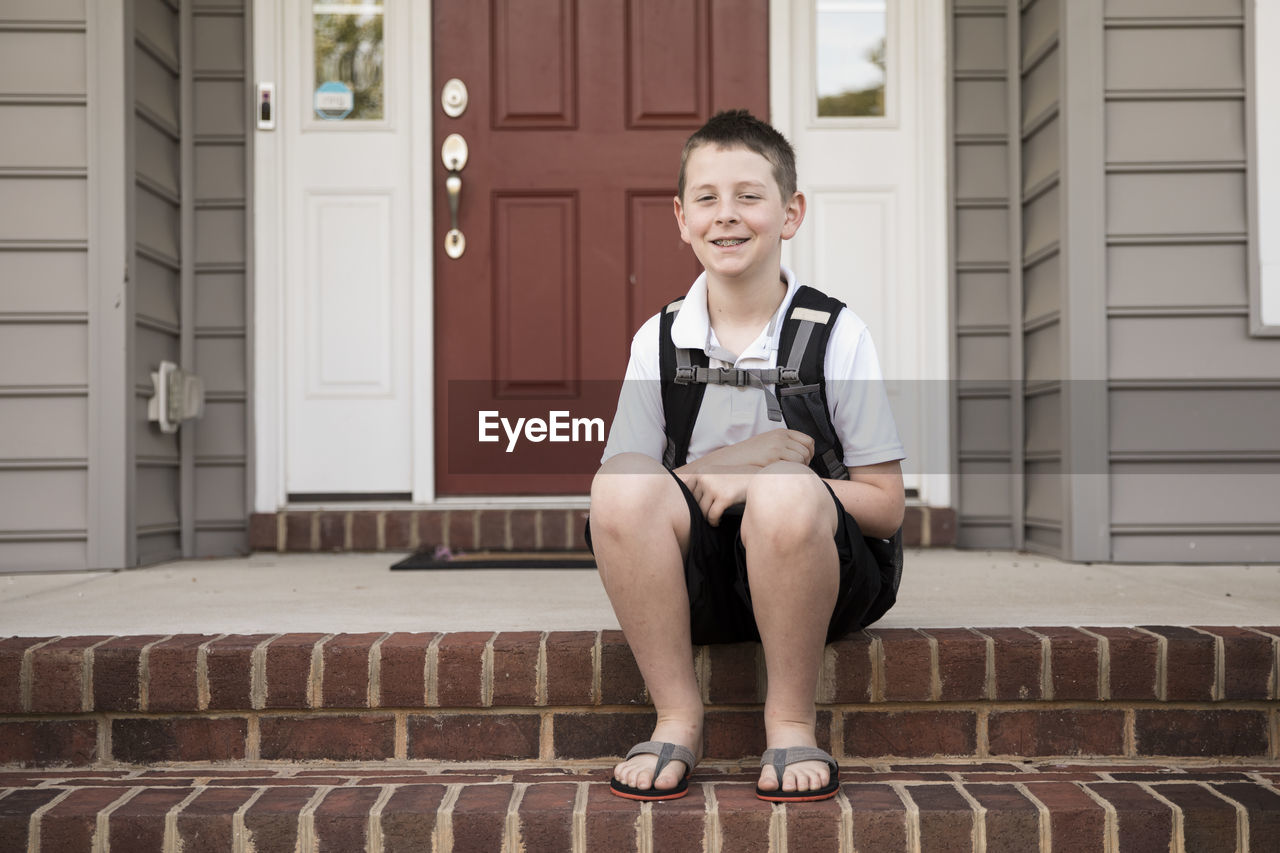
(803, 347)
(680, 400)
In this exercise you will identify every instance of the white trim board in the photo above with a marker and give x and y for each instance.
(1266, 68)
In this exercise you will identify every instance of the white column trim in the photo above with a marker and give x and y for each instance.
(1265, 67)
(267, 259)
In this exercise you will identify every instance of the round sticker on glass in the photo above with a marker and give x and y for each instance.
(334, 100)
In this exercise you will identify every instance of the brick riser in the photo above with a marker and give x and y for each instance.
(528, 696)
(912, 808)
(485, 529)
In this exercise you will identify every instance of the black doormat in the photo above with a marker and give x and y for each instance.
(443, 558)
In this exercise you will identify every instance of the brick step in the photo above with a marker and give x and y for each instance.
(550, 696)
(1082, 806)
(494, 528)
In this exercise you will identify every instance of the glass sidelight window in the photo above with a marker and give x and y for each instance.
(348, 49)
(851, 55)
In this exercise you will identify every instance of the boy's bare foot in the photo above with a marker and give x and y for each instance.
(801, 776)
(637, 772)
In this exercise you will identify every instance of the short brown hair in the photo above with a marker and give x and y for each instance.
(740, 129)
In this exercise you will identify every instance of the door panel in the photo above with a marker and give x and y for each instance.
(577, 113)
(348, 262)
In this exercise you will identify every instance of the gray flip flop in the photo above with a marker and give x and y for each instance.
(665, 752)
(780, 758)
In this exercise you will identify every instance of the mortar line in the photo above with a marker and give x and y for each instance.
(144, 672)
(239, 832)
(486, 672)
(579, 828)
(1242, 817)
(1046, 665)
(1273, 678)
(203, 691)
(442, 837)
(540, 672)
(879, 678)
(33, 823)
(86, 675)
(374, 698)
(1104, 664)
(315, 678)
(1111, 823)
(258, 686)
(712, 840)
(26, 677)
(511, 841)
(102, 824)
(935, 668)
(597, 669)
(1219, 689)
(307, 840)
(644, 829)
(1179, 841)
(1162, 663)
(913, 816)
(846, 821)
(376, 840)
(172, 843)
(979, 831)
(778, 828)
(1046, 822)
(432, 672)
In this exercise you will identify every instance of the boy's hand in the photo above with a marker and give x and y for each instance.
(776, 445)
(720, 489)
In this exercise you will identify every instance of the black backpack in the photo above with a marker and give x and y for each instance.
(801, 402)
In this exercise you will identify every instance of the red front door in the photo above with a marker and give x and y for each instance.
(576, 114)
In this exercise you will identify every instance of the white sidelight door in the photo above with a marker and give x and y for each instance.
(862, 97)
(344, 119)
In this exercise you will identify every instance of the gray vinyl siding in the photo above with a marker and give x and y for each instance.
(220, 308)
(1040, 127)
(1194, 449)
(158, 259)
(140, 495)
(43, 285)
(1135, 422)
(984, 232)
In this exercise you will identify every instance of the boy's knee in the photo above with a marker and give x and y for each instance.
(628, 487)
(787, 502)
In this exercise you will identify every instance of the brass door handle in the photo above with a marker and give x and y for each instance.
(454, 154)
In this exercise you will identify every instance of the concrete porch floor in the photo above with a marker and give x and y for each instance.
(358, 593)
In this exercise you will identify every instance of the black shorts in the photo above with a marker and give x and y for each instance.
(715, 574)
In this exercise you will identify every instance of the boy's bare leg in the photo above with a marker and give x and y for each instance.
(788, 531)
(640, 532)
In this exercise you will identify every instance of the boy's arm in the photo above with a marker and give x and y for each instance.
(874, 496)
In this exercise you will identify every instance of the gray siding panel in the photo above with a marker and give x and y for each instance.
(157, 221)
(43, 282)
(1191, 203)
(44, 63)
(43, 136)
(982, 230)
(39, 355)
(49, 428)
(221, 440)
(1177, 276)
(43, 286)
(1194, 399)
(1175, 131)
(1187, 58)
(39, 209)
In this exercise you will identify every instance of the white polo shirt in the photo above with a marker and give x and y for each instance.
(856, 397)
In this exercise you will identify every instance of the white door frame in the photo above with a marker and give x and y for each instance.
(933, 328)
(268, 320)
(270, 17)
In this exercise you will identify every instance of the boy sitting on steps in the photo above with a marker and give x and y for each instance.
(712, 519)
